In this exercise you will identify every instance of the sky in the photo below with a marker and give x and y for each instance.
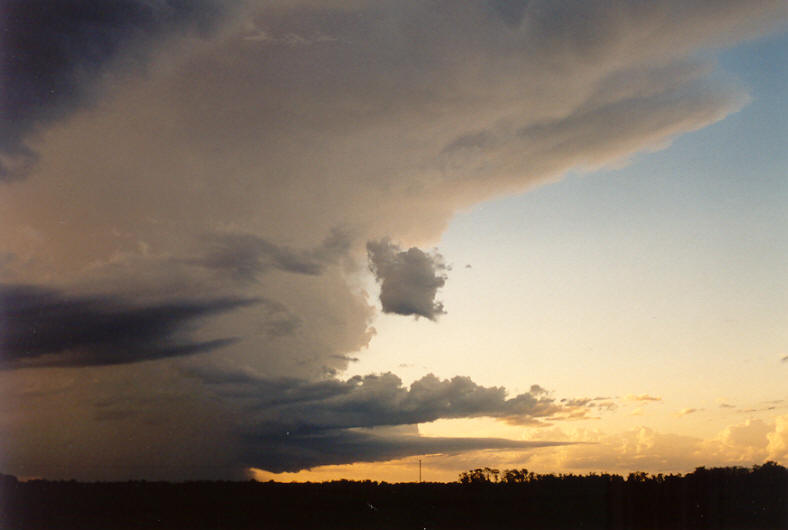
(315, 240)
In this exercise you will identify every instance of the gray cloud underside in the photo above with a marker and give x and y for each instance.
(409, 279)
(44, 327)
(294, 453)
(302, 406)
(291, 424)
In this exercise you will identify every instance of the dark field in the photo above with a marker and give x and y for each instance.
(731, 498)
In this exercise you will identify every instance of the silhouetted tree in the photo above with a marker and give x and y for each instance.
(734, 498)
(515, 476)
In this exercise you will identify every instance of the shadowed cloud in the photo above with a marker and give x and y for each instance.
(409, 279)
(292, 424)
(288, 452)
(246, 256)
(305, 406)
(46, 327)
(52, 52)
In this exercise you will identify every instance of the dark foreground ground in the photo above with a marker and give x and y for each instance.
(731, 498)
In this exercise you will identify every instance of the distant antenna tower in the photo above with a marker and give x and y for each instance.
(419, 470)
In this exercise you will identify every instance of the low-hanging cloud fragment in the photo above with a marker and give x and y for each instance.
(409, 279)
(46, 327)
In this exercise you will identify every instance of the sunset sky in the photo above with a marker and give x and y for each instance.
(309, 240)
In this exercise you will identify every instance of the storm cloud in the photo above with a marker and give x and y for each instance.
(46, 327)
(303, 406)
(53, 53)
(290, 452)
(204, 158)
(409, 279)
(292, 424)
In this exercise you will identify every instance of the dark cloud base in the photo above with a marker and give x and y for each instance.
(46, 327)
(291, 424)
(301, 406)
(290, 453)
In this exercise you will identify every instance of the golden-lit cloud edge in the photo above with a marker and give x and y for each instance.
(751, 442)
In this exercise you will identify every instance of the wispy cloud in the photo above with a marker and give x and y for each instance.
(642, 397)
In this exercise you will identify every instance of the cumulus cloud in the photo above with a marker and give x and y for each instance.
(287, 421)
(638, 449)
(647, 449)
(409, 279)
(748, 439)
(304, 406)
(45, 327)
(778, 440)
(686, 412)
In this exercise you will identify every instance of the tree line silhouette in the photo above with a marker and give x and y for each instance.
(483, 498)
